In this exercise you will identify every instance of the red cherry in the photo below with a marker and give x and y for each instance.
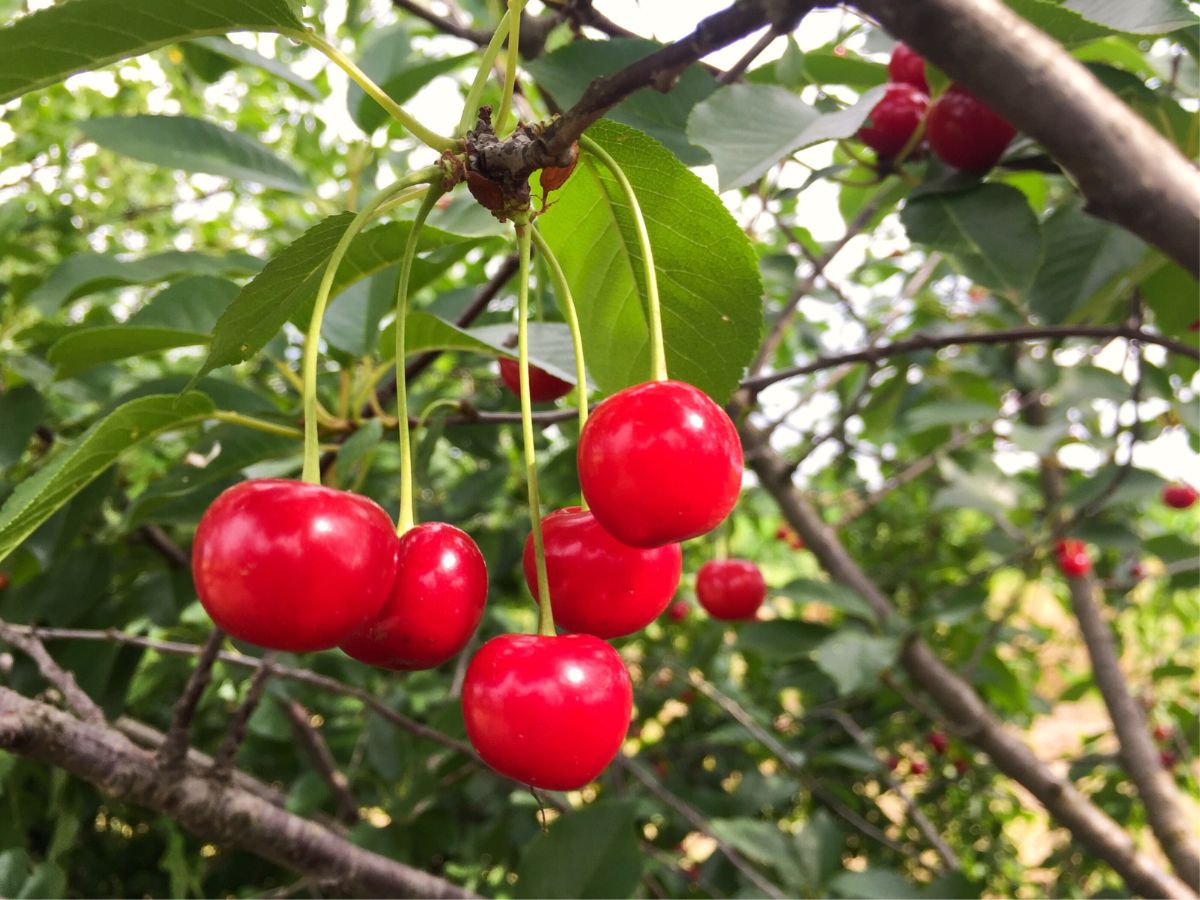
(1162, 732)
(1073, 559)
(938, 741)
(687, 696)
(292, 566)
(894, 119)
(961, 766)
(678, 611)
(892, 763)
(1179, 496)
(1195, 326)
(543, 387)
(659, 463)
(907, 67)
(964, 133)
(1137, 570)
(730, 589)
(597, 584)
(550, 712)
(434, 606)
(918, 767)
(1167, 759)
(5, 580)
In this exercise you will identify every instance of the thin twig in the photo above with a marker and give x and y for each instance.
(323, 760)
(227, 753)
(734, 73)
(27, 641)
(173, 752)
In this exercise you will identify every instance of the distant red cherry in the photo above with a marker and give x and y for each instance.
(659, 463)
(963, 132)
(5, 580)
(938, 741)
(292, 566)
(730, 589)
(1162, 732)
(1167, 759)
(907, 67)
(543, 387)
(597, 584)
(918, 767)
(550, 712)
(1179, 496)
(894, 119)
(678, 611)
(1137, 570)
(961, 766)
(687, 696)
(434, 606)
(892, 763)
(1073, 558)
(1195, 326)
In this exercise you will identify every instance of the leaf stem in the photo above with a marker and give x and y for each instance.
(545, 613)
(371, 89)
(510, 64)
(234, 418)
(471, 107)
(312, 453)
(658, 354)
(408, 516)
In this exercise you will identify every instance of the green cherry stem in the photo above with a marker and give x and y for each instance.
(563, 290)
(471, 108)
(371, 89)
(545, 614)
(510, 64)
(408, 517)
(658, 353)
(312, 451)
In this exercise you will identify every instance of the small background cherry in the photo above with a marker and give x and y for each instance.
(730, 589)
(543, 387)
(1179, 496)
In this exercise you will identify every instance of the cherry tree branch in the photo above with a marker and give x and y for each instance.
(227, 753)
(1129, 173)
(323, 760)
(173, 751)
(209, 808)
(28, 642)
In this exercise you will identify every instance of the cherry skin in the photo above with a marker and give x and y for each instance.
(938, 741)
(292, 566)
(659, 463)
(434, 606)
(730, 589)
(543, 387)
(550, 712)
(1073, 558)
(598, 585)
(678, 611)
(907, 67)
(964, 133)
(1162, 732)
(1179, 496)
(918, 766)
(894, 119)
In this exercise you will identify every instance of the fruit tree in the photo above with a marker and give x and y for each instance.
(599, 449)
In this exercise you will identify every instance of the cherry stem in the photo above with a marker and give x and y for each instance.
(545, 613)
(371, 89)
(408, 516)
(658, 353)
(510, 63)
(312, 344)
(563, 292)
(471, 108)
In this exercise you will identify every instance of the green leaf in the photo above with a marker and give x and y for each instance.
(38, 497)
(88, 273)
(874, 883)
(747, 128)
(66, 38)
(708, 276)
(190, 304)
(47, 880)
(352, 324)
(940, 413)
(983, 487)
(355, 449)
(1167, 293)
(1083, 255)
(810, 590)
(238, 53)
(88, 347)
(1064, 25)
(21, 411)
(193, 145)
(989, 232)
(414, 73)
(1142, 17)
(781, 640)
(566, 73)
(593, 852)
(14, 870)
(854, 659)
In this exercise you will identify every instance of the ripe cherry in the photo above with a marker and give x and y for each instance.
(730, 589)
(687, 696)
(659, 463)
(1167, 759)
(543, 387)
(1073, 558)
(907, 67)
(793, 540)
(1179, 496)
(1137, 570)
(938, 741)
(678, 611)
(292, 566)
(1162, 732)
(5, 580)
(961, 766)
(597, 584)
(964, 133)
(918, 767)
(894, 119)
(434, 606)
(550, 712)
(892, 763)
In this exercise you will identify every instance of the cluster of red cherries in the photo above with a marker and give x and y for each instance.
(959, 129)
(300, 567)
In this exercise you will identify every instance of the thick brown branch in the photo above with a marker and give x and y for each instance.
(213, 810)
(1128, 172)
